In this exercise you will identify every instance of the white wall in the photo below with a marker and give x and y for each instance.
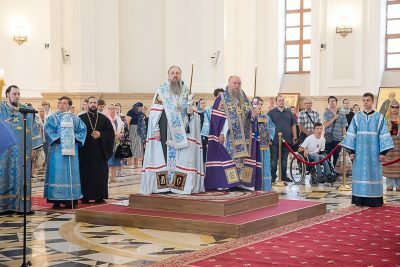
(26, 65)
(351, 65)
(193, 31)
(141, 45)
(107, 57)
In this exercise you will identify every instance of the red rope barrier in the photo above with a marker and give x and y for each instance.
(311, 163)
(391, 162)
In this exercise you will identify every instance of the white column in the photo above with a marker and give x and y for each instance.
(316, 41)
(270, 46)
(83, 48)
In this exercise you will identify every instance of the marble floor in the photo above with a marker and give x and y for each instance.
(55, 239)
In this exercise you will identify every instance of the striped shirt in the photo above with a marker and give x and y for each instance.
(305, 120)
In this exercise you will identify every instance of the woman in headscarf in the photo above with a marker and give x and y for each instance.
(347, 111)
(205, 126)
(392, 172)
(137, 131)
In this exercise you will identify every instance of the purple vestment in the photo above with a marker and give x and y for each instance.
(237, 161)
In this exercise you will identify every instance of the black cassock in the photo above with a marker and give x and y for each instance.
(94, 156)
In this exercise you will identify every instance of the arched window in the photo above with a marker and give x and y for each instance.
(393, 35)
(298, 36)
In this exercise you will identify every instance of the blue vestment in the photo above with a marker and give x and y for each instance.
(265, 133)
(367, 137)
(11, 161)
(7, 137)
(64, 132)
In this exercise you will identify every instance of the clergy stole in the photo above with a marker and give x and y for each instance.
(67, 135)
(239, 125)
(175, 110)
(263, 131)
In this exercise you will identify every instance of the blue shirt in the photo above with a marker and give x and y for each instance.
(340, 123)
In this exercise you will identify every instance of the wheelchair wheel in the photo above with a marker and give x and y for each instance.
(313, 179)
(297, 170)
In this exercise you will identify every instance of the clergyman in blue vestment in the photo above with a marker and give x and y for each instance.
(264, 134)
(11, 159)
(368, 141)
(64, 132)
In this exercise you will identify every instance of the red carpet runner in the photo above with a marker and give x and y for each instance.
(40, 204)
(354, 237)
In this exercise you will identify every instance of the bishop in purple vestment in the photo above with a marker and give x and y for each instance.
(232, 159)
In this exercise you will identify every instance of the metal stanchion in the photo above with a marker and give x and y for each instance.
(280, 183)
(344, 186)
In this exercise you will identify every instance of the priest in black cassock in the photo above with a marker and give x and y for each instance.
(94, 155)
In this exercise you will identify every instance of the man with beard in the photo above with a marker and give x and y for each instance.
(173, 159)
(64, 132)
(232, 148)
(12, 159)
(93, 156)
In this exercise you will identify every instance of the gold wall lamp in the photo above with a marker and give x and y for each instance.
(344, 30)
(20, 39)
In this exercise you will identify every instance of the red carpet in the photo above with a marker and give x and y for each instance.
(40, 204)
(351, 237)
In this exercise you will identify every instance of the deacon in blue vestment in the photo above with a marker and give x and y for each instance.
(232, 149)
(11, 159)
(368, 141)
(264, 135)
(64, 132)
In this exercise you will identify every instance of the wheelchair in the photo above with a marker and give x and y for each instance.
(298, 170)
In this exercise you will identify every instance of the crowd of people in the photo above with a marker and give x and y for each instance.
(186, 147)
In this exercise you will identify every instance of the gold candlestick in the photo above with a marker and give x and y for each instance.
(280, 183)
(2, 83)
(344, 186)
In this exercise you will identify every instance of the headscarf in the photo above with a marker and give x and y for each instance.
(343, 109)
(198, 106)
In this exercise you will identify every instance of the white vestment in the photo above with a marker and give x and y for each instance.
(183, 172)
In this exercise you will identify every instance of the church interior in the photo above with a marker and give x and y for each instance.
(120, 51)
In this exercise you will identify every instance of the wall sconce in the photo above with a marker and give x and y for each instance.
(20, 39)
(19, 30)
(344, 30)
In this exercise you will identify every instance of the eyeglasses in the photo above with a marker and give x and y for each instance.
(394, 106)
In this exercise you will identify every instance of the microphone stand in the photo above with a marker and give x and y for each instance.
(24, 112)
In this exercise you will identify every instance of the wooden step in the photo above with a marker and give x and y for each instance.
(219, 203)
(236, 225)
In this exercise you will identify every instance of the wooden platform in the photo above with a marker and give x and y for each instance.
(231, 215)
(210, 203)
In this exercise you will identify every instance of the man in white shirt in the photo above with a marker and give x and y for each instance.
(312, 146)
